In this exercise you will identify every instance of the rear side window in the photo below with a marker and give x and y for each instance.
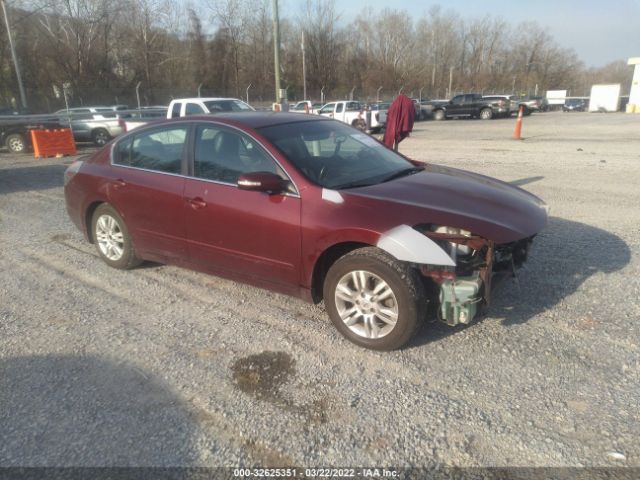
(175, 110)
(193, 109)
(158, 150)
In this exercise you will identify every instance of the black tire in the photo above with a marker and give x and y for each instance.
(16, 143)
(403, 281)
(439, 115)
(128, 259)
(486, 114)
(359, 124)
(100, 137)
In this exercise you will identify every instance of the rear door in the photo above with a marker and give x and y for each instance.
(248, 234)
(147, 187)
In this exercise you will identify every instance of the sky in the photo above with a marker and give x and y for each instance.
(600, 31)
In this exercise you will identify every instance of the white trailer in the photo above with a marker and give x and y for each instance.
(605, 98)
(556, 97)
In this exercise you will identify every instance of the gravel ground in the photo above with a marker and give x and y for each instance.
(166, 367)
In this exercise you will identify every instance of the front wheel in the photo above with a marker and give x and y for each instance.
(374, 300)
(16, 143)
(112, 239)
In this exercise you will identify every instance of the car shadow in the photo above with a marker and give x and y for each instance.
(24, 179)
(84, 410)
(563, 256)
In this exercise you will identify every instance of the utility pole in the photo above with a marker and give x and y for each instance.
(276, 48)
(450, 81)
(23, 96)
(304, 71)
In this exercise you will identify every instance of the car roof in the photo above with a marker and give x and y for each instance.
(203, 99)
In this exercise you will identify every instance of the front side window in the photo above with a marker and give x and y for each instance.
(327, 108)
(334, 155)
(459, 100)
(223, 155)
(339, 108)
(158, 150)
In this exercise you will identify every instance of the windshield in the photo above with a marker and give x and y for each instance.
(334, 155)
(215, 106)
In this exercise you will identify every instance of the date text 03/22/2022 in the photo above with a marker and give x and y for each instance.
(315, 472)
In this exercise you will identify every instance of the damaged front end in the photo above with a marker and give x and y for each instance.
(463, 289)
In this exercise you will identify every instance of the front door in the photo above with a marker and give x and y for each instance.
(249, 234)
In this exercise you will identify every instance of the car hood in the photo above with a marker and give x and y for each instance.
(446, 196)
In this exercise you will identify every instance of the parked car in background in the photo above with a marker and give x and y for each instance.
(137, 118)
(300, 107)
(471, 105)
(427, 107)
(511, 100)
(91, 124)
(349, 112)
(184, 107)
(575, 105)
(309, 207)
(378, 115)
(417, 107)
(15, 130)
(533, 104)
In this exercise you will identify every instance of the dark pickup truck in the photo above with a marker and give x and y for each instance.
(471, 105)
(15, 130)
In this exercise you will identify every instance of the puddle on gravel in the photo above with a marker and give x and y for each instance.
(263, 374)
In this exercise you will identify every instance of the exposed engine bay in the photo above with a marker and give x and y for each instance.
(467, 286)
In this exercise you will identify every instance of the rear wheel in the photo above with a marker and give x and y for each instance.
(100, 137)
(438, 115)
(374, 300)
(16, 143)
(486, 114)
(359, 124)
(112, 239)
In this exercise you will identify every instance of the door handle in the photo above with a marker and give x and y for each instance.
(196, 203)
(119, 183)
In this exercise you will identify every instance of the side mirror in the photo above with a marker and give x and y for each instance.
(262, 182)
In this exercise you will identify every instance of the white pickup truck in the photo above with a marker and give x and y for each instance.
(350, 112)
(355, 114)
(183, 107)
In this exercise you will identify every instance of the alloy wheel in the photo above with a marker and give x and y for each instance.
(366, 304)
(109, 237)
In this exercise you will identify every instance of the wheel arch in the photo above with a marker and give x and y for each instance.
(327, 258)
(88, 216)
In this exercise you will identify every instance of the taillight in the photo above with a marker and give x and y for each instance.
(71, 171)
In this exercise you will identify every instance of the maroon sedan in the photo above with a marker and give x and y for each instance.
(309, 207)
